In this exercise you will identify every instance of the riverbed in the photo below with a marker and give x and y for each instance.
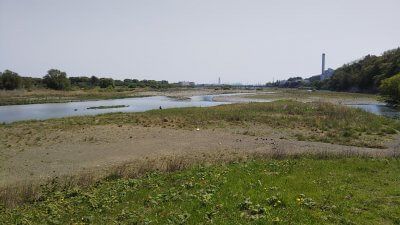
(15, 113)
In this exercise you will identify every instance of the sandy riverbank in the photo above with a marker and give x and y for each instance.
(97, 148)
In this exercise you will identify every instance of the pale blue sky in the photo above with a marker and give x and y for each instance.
(246, 41)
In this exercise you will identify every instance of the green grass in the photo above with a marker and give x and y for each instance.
(318, 121)
(294, 191)
(108, 107)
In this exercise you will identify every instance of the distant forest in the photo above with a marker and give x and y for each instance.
(365, 75)
(371, 74)
(58, 80)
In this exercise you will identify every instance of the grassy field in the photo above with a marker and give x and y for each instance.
(318, 121)
(292, 191)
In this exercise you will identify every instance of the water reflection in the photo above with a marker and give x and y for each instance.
(378, 109)
(57, 110)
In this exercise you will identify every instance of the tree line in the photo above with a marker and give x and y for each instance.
(371, 74)
(58, 80)
(365, 75)
(297, 82)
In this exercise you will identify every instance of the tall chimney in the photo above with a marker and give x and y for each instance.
(323, 64)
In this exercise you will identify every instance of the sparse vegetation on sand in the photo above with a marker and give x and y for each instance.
(316, 95)
(292, 191)
(317, 121)
(36, 96)
(21, 97)
(107, 106)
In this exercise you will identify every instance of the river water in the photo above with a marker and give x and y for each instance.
(14, 113)
(379, 109)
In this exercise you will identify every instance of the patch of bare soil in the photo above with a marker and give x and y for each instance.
(187, 93)
(69, 152)
(338, 101)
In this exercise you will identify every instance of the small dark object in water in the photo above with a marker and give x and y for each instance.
(75, 109)
(160, 107)
(107, 106)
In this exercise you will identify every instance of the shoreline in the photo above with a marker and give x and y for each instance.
(232, 96)
(8, 98)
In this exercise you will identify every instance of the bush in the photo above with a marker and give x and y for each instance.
(106, 82)
(390, 90)
(28, 82)
(55, 79)
(10, 80)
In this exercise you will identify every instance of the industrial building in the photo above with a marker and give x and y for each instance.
(325, 74)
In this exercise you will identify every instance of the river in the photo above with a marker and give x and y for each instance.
(15, 113)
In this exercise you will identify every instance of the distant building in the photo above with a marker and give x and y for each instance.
(325, 74)
(186, 84)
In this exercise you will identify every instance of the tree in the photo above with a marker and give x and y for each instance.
(106, 82)
(366, 74)
(127, 81)
(94, 81)
(27, 82)
(118, 83)
(10, 80)
(390, 90)
(55, 79)
(82, 82)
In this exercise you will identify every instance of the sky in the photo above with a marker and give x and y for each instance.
(246, 41)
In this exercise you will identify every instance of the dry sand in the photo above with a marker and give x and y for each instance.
(100, 147)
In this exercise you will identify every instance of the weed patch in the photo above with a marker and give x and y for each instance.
(302, 191)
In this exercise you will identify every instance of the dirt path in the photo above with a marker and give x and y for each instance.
(99, 147)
